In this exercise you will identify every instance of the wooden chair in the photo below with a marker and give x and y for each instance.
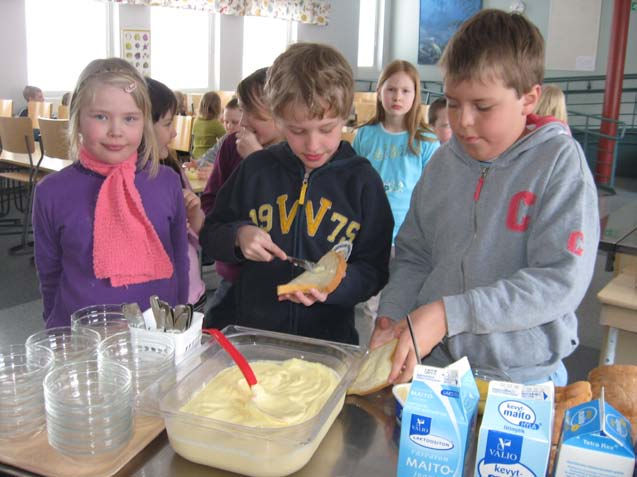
(225, 97)
(424, 109)
(348, 134)
(6, 108)
(16, 136)
(183, 139)
(364, 112)
(54, 141)
(364, 97)
(63, 112)
(194, 100)
(39, 109)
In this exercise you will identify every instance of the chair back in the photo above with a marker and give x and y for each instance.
(424, 109)
(225, 97)
(194, 100)
(365, 97)
(13, 132)
(364, 112)
(6, 108)
(182, 141)
(63, 112)
(39, 109)
(53, 137)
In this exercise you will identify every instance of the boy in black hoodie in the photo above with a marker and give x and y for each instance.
(301, 197)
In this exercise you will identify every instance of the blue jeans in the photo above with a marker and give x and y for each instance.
(559, 376)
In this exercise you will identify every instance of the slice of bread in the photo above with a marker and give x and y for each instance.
(325, 277)
(374, 372)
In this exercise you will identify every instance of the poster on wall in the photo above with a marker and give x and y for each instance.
(135, 46)
(439, 20)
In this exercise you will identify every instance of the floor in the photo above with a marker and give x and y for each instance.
(21, 308)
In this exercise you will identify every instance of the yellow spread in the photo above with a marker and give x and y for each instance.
(288, 393)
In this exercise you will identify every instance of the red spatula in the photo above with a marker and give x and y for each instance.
(234, 353)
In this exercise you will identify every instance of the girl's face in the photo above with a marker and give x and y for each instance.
(165, 132)
(262, 125)
(111, 125)
(231, 119)
(397, 95)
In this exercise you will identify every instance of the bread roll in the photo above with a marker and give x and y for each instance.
(374, 372)
(567, 397)
(620, 387)
(325, 277)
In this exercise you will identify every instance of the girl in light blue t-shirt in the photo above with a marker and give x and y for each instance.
(397, 140)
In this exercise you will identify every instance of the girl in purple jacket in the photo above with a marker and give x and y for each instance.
(110, 228)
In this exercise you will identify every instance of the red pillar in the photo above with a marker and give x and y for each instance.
(613, 90)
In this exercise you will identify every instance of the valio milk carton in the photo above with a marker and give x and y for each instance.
(515, 434)
(595, 442)
(438, 420)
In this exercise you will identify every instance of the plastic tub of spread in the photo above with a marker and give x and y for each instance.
(253, 451)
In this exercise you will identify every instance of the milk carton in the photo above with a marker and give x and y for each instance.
(437, 421)
(595, 442)
(515, 435)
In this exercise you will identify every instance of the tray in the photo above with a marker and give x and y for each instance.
(37, 456)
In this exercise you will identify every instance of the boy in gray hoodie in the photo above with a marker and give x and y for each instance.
(499, 244)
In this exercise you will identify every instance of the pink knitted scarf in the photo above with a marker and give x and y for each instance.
(126, 247)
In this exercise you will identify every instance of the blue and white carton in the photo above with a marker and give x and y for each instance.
(438, 421)
(515, 434)
(596, 442)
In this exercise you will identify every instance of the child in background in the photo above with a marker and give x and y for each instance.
(164, 106)
(182, 104)
(397, 141)
(207, 129)
(499, 244)
(30, 93)
(110, 228)
(552, 103)
(301, 197)
(66, 99)
(256, 131)
(438, 119)
(231, 119)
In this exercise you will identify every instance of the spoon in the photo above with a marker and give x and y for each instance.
(235, 354)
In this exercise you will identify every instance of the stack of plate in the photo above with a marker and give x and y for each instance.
(67, 344)
(89, 407)
(148, 358)
(21, 396)
(105, 319)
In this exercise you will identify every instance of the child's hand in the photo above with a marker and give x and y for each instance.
(257, 244)
(430, 327)
(194, 214)
(204, 171)
(307, 299)
(190, 164)
(385, 329)
(247, 142)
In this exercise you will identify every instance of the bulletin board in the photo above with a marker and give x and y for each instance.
(573, 34)
(135, 48)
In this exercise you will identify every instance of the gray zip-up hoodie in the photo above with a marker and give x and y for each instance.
(510, 247)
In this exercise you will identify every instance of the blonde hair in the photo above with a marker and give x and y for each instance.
(496, 44)
(120, 74)
(210, 106)
(312, 76)
(552, 103)
(414, 119)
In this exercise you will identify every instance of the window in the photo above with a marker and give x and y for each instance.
(263, 40)
(179, 51)
(370, 32)
(58, 43)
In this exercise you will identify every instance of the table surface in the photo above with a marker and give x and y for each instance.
(49, 164)
(619, 228)
(363, 441)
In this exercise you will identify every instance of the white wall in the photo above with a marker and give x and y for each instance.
(14, 43)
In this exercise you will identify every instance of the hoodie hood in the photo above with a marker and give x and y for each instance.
(539, 129)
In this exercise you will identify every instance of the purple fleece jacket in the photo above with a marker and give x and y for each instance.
(63, 214)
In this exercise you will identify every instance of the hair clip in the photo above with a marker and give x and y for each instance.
(131, 87)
